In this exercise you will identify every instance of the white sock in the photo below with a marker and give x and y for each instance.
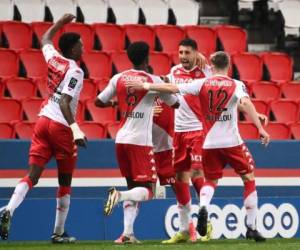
(250, 204)
(17, 197)
(130, 210)
(135, 194)
(62, 209)
(184, 212)
(206, 194)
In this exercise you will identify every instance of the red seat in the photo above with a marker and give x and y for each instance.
(24, 130)
(6, 130)
(18, 35)
(160, 63)
(10, 110)
(85, 31)
(42, 87)
(278, 131)
(279, 65)
(169, 36)
(175, 58)
(285, 111)
(21, 88)
(295, 129)
(246, 72)
(291, 91)
(248, 130)
(93, 130)
(34, 63)
(101, 84)
(112, 129)
(80, 112)
(121, 61)
(261, 107)
(32, 108)
(111, 36)
(102, 115)
(39, 29)
(232, 38)
(205, 37)
(138, 32)
(99, 64)
(88, 91)
(266, 91)
(9, 63)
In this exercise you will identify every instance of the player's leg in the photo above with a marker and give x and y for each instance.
(241, 160)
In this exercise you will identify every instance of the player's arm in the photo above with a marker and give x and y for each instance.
(50, 33)
(248, 107)
(111, 103)
(262, 117)
(104, 99)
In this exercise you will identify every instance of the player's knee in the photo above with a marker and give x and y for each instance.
(195, 173)
(248, 177)
(183, 176)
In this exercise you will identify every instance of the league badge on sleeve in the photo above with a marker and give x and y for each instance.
(72, 83)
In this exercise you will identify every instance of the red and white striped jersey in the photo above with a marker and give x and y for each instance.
(188, 115)
(64, 77)
(219, 96)
(136, 106)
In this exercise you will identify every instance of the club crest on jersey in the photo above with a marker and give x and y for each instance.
(72, 83)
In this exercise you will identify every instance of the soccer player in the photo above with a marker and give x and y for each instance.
(220, 98)
(56, 133)
(134, 138)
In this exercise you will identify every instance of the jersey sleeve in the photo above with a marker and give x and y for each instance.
(109, 91)
(192, 88)
(169, 99)
(73, 82)
(241, 90)
(49, 51)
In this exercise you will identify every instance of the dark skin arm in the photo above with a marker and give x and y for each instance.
(101, 104)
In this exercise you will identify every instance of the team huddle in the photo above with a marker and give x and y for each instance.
(174, 129)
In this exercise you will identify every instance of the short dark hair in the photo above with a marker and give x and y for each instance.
(220, 60)
(138, 52)
(67, 41)
(189, 42)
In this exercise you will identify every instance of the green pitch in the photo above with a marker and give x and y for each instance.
(273, 244)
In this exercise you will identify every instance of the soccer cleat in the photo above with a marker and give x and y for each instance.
(62, 239)
(123, 239)
(254, 235)
(112, 201)
(193, 232)
(179, 237)
(202, 221)
(208, 235)
(5, 221)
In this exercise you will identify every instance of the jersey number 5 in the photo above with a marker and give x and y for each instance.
(217, 100)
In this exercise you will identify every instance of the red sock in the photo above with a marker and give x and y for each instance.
(63, 190)
(249, 187)
(27, 180)
(198, 184)
(182, 191)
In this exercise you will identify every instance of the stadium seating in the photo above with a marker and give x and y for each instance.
(88, 90)
(233, 39)
(186, 11)
(102, 83)
(160, 63)
(266, 91)
(278, 131)
(279, 66)
(10, 110)
(59, 8)
(291, 91)
(121, 61)
(80, 112)
(21, 88)
(295, 130)
(137, 32)
(205, 37)
(285, 111)
(248, 130)
(9, 63)
(2, 87)
(101, 115)
(98, 64)
(6, 130)
(24, 130)
(112, 129)
(94, 11)
(31, 10)
(34, 63)
(249, 66)
(93, 130)
(32, 107)
(175, 58)
(157, 13)
(126, 11)
(261, 107)
(169, 37)
(12, 31)
(6, 10)
(85, 31)
(42, 87)
(111, 36)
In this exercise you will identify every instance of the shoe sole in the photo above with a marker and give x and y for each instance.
(5, 224)
(202, 222)
(111, 201)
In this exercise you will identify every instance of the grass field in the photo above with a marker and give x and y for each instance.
(280, 244)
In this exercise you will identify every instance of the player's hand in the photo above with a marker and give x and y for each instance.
(201, 60)
(66, 18)
(264, 137)
(81, 142)
(136, 85)
(263, 119)
(78, 135)
(157, 109)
